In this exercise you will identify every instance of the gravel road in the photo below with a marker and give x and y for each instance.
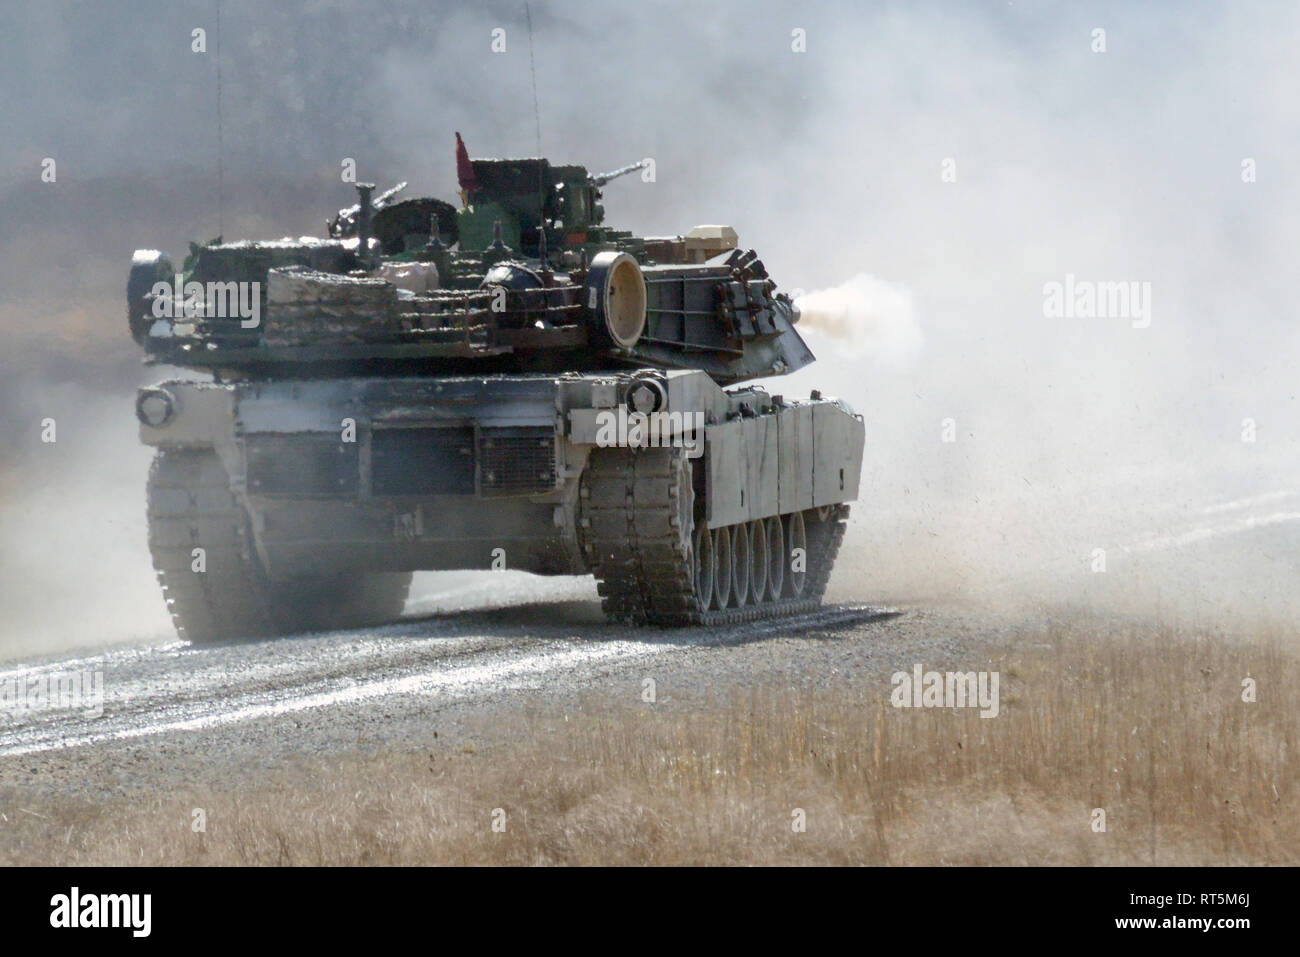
(473, 646)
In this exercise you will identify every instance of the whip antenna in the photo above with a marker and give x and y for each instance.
(532, 68)
(537, 118)
(221, 171)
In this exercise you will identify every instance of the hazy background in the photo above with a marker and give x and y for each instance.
(1072, 434)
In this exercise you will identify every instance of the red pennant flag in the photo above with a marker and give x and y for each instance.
(464, 168)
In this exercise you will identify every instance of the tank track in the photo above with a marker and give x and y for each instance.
(637, 521)
(190, 506)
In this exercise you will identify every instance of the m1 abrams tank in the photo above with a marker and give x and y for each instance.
(510, 384)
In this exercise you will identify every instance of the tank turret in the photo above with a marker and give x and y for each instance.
(700, 301)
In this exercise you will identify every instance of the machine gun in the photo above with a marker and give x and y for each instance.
(602, 178)
(348, 218)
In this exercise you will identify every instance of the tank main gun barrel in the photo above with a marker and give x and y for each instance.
(602, 178)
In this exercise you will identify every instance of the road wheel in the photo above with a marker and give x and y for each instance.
(739, 565)
(796, 541)
(722, 567)
(776, 557)
(758, 562)
(705, 566)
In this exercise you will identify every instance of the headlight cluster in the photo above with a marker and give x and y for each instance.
(155, 407)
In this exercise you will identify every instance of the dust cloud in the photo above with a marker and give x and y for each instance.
(76, 561)
(928, 170)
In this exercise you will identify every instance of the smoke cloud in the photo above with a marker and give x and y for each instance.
(867, 316)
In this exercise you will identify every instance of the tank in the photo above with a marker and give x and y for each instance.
(506, 382)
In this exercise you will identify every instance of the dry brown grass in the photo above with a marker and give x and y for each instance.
(1152, 729)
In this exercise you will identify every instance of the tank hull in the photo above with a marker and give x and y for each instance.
(351, 475)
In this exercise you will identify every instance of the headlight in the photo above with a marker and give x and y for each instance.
(155, 407)
(645, 396)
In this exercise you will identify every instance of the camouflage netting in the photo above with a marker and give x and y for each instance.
(250, 261)
(306, 307)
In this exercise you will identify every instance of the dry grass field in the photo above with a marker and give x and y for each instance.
(1150, 728)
